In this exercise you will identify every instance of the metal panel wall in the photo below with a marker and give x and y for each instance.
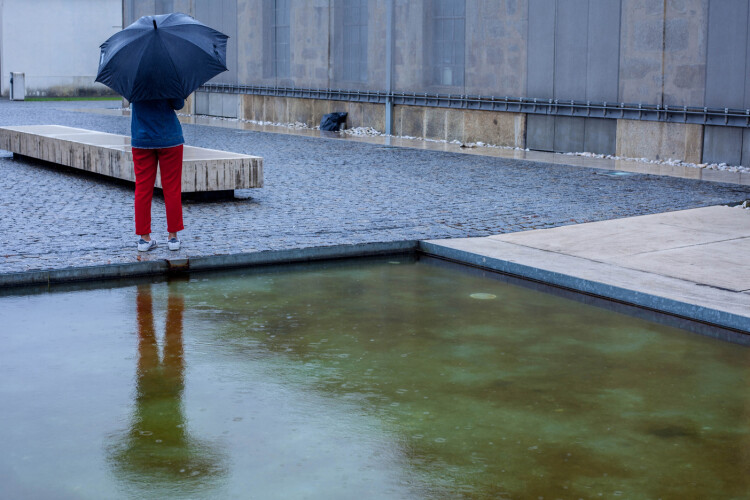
(541, 49)
(574, 62)
(746, 148)
(201, 103)
(569, 133)
(563, 134)
(722, 145)
(221, 15)
(726, 64)
(600, 136)
(727, 84)
(571, 43)
(603, 50)
(540, 132)
(163, 6)
(747, 62)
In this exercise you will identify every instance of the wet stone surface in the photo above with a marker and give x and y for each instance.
(317, 192)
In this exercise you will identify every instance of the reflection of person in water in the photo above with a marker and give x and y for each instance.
(157, 446)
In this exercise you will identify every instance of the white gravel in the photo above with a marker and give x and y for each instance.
(371, 132)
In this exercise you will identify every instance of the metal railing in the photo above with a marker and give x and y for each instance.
(612, 110)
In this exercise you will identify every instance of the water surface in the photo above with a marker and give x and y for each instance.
(390, 378)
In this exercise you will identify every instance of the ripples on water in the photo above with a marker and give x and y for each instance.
(368, 379)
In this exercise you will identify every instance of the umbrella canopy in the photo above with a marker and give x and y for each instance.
(162, 57)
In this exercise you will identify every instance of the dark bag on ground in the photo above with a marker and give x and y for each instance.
(332, 121)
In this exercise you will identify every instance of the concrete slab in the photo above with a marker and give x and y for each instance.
(694, 263)
(690, 263)
(111, 155)
(609, 241)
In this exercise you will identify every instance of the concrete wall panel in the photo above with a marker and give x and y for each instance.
(686, 36)
(495, 128)
(434, 123)
(376, 46)
(409, 60)
(310, 43)
(496, 47)
(250, 43)
(641, 54)
(541, 49)
(659, 140)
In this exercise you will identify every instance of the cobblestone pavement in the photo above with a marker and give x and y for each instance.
(317, 192)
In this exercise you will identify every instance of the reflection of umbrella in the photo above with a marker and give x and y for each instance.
(162, 57)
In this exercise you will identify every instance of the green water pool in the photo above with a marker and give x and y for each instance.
(386, 378)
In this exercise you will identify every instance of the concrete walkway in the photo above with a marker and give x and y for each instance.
(692, 263)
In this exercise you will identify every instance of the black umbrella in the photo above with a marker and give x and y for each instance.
(162, 57)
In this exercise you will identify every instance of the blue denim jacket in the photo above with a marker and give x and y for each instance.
(154, 124)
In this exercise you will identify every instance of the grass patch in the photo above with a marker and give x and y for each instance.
(105, 98)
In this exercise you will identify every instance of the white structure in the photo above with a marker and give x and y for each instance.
(55, 43)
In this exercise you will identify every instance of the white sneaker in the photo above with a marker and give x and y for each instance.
(145, 246)
(173, 244)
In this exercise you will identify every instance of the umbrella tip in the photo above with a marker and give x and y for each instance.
(154, 21)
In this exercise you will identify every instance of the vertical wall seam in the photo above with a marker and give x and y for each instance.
(747, 42)
(619, 53)
(588, 75)
(554, 50)
(745, 135)
(528, 17)
(330, 34)
(588, 50)
(708, 39)
(663, 48)
(554, 66)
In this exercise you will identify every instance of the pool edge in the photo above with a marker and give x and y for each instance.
(686, 310)
(202, 263)
(167, 267)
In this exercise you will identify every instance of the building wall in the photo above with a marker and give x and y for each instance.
(651, 52)
(56, 44)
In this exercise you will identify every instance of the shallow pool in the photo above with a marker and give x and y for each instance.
(387, 378)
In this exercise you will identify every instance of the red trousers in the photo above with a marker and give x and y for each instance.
(170, 166)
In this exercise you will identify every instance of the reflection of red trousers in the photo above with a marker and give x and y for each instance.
(170, 166)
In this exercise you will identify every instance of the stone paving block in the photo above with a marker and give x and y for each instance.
(316, 192)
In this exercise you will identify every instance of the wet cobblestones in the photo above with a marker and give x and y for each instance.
(317, 192)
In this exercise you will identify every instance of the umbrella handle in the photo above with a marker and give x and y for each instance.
(154, 21)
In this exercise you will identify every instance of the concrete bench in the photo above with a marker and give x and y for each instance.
(203, 170)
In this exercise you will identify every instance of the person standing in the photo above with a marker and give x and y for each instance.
(156, 139)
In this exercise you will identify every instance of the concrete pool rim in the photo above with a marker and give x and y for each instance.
(174, 267)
